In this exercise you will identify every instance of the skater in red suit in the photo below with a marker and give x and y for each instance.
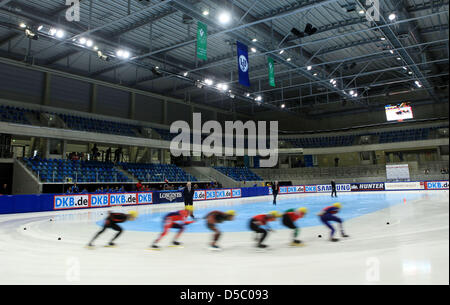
(174, 220)
(111, 222)
(259, 224)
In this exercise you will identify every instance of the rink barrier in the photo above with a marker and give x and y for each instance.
(52, 202)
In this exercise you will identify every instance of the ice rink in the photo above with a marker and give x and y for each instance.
(395, 238)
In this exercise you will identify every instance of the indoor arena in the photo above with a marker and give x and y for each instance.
(224, 142)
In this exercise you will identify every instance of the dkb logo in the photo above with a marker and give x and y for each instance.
(73, 12)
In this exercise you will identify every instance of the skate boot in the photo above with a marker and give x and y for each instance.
(344, 235)
(215, 248)
(176, 243)
(154, 247)
(334, 239)
(261, 246)
(296, 243)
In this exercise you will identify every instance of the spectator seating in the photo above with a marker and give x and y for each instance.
(56, 170)
(321, 141)
(238, 173)
(14, 115)
(99, 126)
(157, 172)
(404, 135)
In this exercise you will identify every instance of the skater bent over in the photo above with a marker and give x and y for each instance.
(214, 218)
(327, 215)
(175, 220)
(111, 222)
(289, 218)
(257, 223)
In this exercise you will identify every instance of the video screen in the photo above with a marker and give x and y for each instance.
(399, 112)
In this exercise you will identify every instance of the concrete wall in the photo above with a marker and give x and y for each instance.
(24, 182)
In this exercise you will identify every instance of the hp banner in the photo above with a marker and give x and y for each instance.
(243, 65)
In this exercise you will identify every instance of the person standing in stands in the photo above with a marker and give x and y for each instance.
(139, 186)
(333, 188)
(188, 196)
(4, 189)
(108, 155)
(275, 191)
(118, 155)
(95, 152)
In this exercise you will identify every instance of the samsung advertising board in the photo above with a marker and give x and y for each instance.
(326, 188)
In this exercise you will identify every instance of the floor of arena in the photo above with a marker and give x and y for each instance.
(395, 238)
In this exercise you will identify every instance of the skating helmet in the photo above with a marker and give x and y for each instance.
(275, 214)
(231, 212)
(337, 205)
(133, 214)
(303, 210)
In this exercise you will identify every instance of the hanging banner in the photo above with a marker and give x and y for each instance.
(243, 65)
(202, 40)
(271, 72)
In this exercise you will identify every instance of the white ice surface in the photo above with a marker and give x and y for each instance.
(412, 249)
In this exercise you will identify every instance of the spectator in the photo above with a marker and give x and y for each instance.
(95, 152)
(122, 189)
(69, 190)
(84, 191)
(118, 155)
(427, 171)
(4, 190)
(139, 186)
(75, 189)
(336, 162)
(108, 155)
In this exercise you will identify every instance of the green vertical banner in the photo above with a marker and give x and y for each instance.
(202, 40)
(271, 72)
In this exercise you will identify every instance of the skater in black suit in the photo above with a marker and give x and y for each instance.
(275, 190)
(188, 195)
(333, 188)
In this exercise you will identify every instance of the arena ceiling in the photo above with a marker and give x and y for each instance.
(349, 54)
